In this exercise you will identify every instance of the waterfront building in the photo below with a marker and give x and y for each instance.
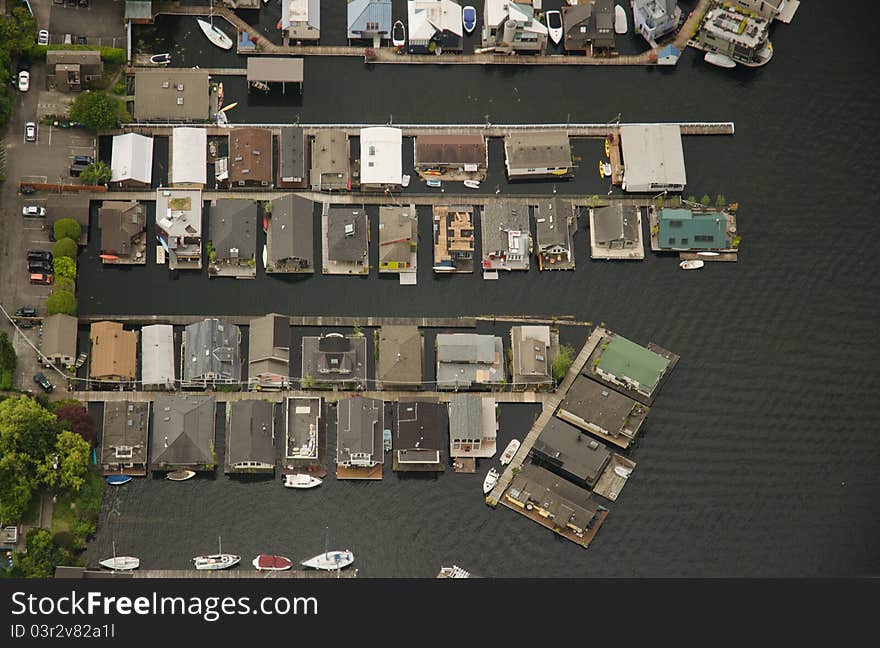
(113, 357)
(687, 229)
(589, 28)
(169, 94)
(293, 172)
(346, 240)
(301, 19)
(473, 426)
(183, 433)
(233, 245)
(157, 357)
(602, 411)
(563, 449)
(250, 438)
(69, 70)
(189, 155)
(536, 155)
(420, 436)
(653, 158)
(781, 10)
(453, 238)
(334, 359)
(381, 158)
(531, 351)
(615, 232)
(555, 225)
(58, 341)
(303, 427)
(123, 232)
(462, 155)
(399, 365)
(263, 70)
(242, 4)
(359, 425)
(269, 352)
(179, 227)
(507, 239)
(743, 37)
(630, 366)
(434, 26)
(653, 19)
(210, 354)
(124, 438)
(330, 170)
(369, 20)
(250, 157)
(468, 360)
(289, 244)
(512, 27)
(138, 12)
(398, 239)
(131, 160)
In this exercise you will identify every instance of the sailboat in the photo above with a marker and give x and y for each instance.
(218, 560)
(120, 563)
(329, 559)
(214, 34)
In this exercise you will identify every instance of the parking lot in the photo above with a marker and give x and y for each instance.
(101, 23)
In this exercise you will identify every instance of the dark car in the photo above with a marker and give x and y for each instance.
(81, 40)
(39, 255)
(83, 159)
(39, 266)
(83, 3)
(26, 311)
(27, 190)
(43, 382)
(76, 169)
(71, 3)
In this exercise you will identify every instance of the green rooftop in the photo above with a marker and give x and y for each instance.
(623, 358)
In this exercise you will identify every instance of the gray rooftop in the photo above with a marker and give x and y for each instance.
(330, 165)
(275, 69)
(291, 154)
(652, 156)
(464, 359)
(574, 452)
(565, 502)
(400, 356)
(233, 229)
(269, 345)
(303, 422)
(171, 94)
(595, 403)
(124, 435)
(466, 417)
(335, 358)
(422, 429)
(59, 336)
(543, 149)
(506, 234)
(211, 352)
(183, 431)
(551, 224)
(251, 434)
(347, 234)
(615, 223)
(291, 228)
(359, 426)
(397, 230)
(530, 352)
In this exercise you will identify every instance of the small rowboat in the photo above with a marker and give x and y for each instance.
(267, 562)
(108, 257)
(180, 475)
(398, 34)
(433, 182)
(691, 264)
(511, 449)
(472, 184)
(117, 480)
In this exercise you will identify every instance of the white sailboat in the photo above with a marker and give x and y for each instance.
(218, 560)
(120, 563)
(214, 34)
(329, 560)
(490, 481)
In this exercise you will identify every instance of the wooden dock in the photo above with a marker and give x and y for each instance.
(242, 573)
(329, 321)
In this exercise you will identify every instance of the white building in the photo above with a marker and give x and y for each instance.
(131, 161)
(157, 356)
(381, 158)
(301, 19)
(655, 18)
(653, 159)
(189, 147)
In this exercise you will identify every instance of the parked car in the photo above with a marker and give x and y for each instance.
(39, 255)
(83, 159)
(84, 3)
(24, 81)
(76, 169)
(43, 382)
(43, 37)
(26, 311)
(41, 279)
(33, 211)
(81, 40)
(30, 132)
(58, 2)
(28, 190)
(71, 3)
(24, 323)
(39, 266)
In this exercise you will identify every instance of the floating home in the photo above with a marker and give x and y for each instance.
(555, 225)
(743, 37)
(124, 438)
(334, 360)
(304, 432)
(290, 247)
(189, 157)
(157, 357)
(616, 232)
(58, 341)
(473, 426)
(250, 438)
(531, 351)
(232, 224)
(123, 233)
(250, 158)
(507, 239)
(565, 450)
(434, 26)
(538, 155)
(210, 354)
(690, 230)
(293, 169)
(170, 94)
(381, 166)
(420, 436)
(183, 433)
(113, 357)
(179, 227)
(469, 360)
(131, 161)
(453, 238)
(360, 449)
(346, 244)
(633, 370)
(269, 352)
(398, 239)
(331, 167)
(451, 157)
(401, 351)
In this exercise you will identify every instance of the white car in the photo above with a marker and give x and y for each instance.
(33, 211)
(24, 80)
(43, 37)
(30, 132)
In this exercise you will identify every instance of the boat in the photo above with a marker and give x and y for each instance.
(490, 481)
(120, 563)
(265, 257)
(601, 169)
(622, 471)
(180, 475)
(108, 257)
(218, 560)
(398, 34)
(265, 222)
(214, 34)
(554, 26)
(620, 25)
(607, 148)
(433, 182)
(404, 180)
(453, 572)
(301, 481)
(268, 562)
(160, 59)
(720, 60)
(118, 480)
(606, 169)
(691, 264)
(469, 18)
(708, 254)
(329, 559)
(472, 184)
(511, 449)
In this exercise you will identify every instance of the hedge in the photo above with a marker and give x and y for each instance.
(65, 247)
(108, 54)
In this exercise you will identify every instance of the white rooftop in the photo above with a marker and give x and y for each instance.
(132, 158)
(189, 155)
(381, 155)
(652, 156)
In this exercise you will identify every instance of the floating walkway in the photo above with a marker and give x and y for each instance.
(242, 573)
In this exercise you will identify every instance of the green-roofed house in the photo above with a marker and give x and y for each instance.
(631, 366)
(683, 229)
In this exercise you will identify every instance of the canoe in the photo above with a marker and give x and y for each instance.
(607, 149)
(691, 264)
(180, 475)
(117, 480)
(601, 169)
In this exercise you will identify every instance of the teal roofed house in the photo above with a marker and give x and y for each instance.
(683, 229)
(632, 366)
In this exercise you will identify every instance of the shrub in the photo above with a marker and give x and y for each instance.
(96, 173)
(64, 283)
(65, 247)
(65, 540)
(65, 267)
(119, 87)
(67, 228)
(97, 110)
(113, 55)
(705, 201)
(61, 301)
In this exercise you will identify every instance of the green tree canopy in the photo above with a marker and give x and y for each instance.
(65, 247)
(705, 200)
(61, 301)
(562, 361)
(65, 267)
(67, 228)
(41, 557)
(66, 468)
(18, 32)
(97, 110)
(97, 173)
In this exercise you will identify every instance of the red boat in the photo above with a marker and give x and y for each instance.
(265, 223)
(267, 562)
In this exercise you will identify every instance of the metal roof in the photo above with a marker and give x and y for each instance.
(157, 355)
(132, 158)
(278, 69)
(189, 149)
(211, 352)
(653, 157)
(623, 358)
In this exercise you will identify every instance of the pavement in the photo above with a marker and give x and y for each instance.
(101, 22)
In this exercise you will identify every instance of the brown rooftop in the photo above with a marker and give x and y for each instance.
(450, 149)
(114, 351)
(250, 156)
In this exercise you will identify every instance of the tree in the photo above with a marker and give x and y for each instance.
(7, 362)
(61, 301)
(720, 201)
(97, 110)
(67, 228)
(66, 468)
(65, 247)
(18, 32)
(65, 284)
(65, 267)
(41, 557)
(96, 173)
(562, 361)
(705, 201)
(75, 417)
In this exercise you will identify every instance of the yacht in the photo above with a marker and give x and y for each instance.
(301, 481)
(511, 449)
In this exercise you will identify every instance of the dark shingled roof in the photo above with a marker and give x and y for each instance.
(342, 247)
(233, 224)
(250, 433)
(615, 223)
(290, 227)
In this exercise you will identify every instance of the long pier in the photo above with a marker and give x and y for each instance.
(241, 573)
(298, 320)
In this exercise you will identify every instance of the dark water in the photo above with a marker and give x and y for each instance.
(760, 456)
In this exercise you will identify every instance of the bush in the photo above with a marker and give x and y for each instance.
(119, 87)
(65, 267)
(113, 55)
(65, 247)
(705, 201)
(64, 283)
(96, 173)
(97, 110)
(562, 361)
(67, 228)
(61, 301)
(65, 540)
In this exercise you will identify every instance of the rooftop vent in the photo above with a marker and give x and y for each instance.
(166, 84)
(349, 229)
(180, 101)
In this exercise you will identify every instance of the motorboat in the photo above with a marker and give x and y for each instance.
(120, 563)
(720, 60)
(433, 182)
(709, 254)
(691, 264)
(453, 572)
(301, 481)
(604, 169)
(472, 184)
(404, 180)
(469, 18)
(511, 449)
(118, 480)
(398, 34)
(329, 559)
(160, 59)
(215, 34)
(218, 560)
(180, 475)
(554, 26)
(490, 481)
(623, 471)
(620, 25)
(268, 562)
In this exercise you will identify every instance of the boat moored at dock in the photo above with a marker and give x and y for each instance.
(620, 24)
(121, 563)
(118, 480)
(218, 560)
(719, 60)
(301, 481)
(329, 559)
(509, 452)
(691, 264)
(398, 34)
(180, 475)
(214, 34)
(269, 562)
(469, 18)
(453, 572)
(490, 481)
(554, 26)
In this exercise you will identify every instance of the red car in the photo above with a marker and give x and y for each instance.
(41, 279)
